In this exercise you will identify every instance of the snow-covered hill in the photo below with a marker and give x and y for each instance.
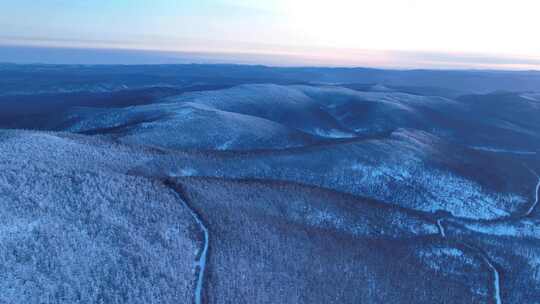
(234, 184)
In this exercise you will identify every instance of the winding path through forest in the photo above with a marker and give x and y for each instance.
(496, 278)
(441, 228)
(495, 273)
(200, 263)
(535, 203)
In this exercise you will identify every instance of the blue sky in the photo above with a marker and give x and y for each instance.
(385, 33)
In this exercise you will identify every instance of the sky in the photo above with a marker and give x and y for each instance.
(497, 34)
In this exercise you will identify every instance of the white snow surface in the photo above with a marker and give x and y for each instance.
(186, 125)
(74, 228)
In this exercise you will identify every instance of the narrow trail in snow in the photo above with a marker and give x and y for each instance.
(537, 190)
(200, 263)
(496, 278)
(495, 273)
(441, 228)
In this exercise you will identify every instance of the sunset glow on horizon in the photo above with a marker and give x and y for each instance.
(384, 33)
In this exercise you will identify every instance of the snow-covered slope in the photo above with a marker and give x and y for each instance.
(282, 104)
(318, 246)
(184, 126)
(412, 169)
(74, 229)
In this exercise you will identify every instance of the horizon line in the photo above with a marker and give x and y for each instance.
(425, 60)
